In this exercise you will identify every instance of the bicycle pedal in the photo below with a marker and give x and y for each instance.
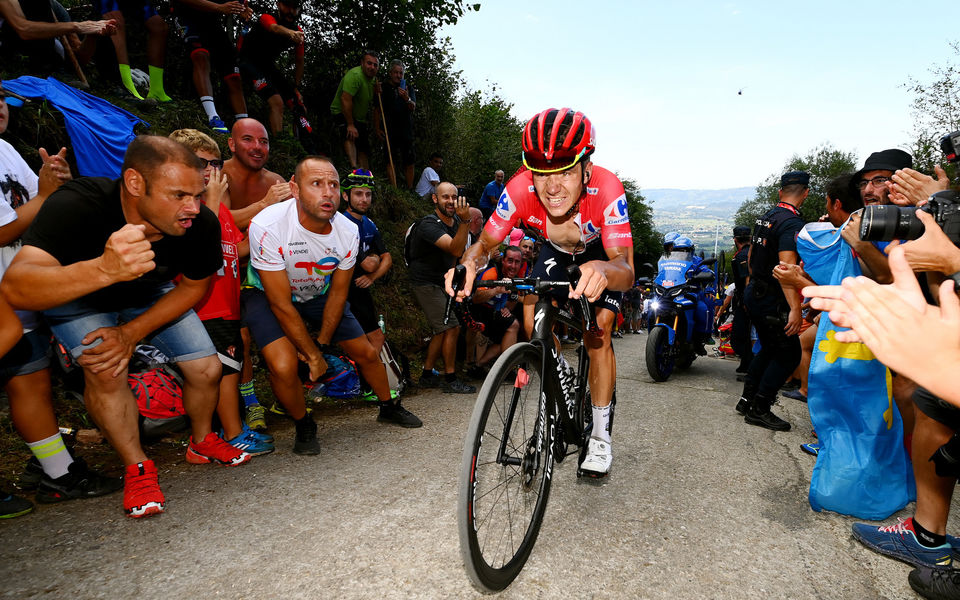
(590, 475)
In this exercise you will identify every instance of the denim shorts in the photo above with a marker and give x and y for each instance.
(266, 329)
(180, 340)
(31, 354)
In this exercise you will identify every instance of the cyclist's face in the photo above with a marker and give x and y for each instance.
(359, 199)
(559, 191)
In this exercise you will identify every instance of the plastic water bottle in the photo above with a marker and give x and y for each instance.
(382, 325)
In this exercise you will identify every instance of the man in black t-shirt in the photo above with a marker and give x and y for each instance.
(99, 260)
(774, 310)
(445, 230)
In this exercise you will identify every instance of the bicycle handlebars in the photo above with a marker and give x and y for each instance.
(531, 284)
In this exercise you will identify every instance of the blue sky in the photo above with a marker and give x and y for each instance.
(660, 79)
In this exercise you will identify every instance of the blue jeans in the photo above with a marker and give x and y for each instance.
(180, 340)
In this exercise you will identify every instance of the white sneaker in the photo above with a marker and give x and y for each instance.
(598, 459)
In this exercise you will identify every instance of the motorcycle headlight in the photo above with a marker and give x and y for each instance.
(655, 305)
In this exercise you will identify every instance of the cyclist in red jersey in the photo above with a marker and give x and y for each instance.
(580, 210)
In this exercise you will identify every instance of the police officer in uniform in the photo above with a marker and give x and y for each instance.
(740, 333)
(774, 311)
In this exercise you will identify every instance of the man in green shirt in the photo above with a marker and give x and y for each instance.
(351, 105)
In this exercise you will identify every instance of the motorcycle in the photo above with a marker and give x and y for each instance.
(672, 340)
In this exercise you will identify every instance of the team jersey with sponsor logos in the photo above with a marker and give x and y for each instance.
(602, 215)
(222, 300)
(279, 242)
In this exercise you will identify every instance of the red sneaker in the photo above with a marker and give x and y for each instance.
(214, 449)
(141, 490)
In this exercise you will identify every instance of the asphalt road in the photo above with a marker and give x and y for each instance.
(699, 505)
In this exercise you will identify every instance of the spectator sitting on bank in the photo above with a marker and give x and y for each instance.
(438, 241)
(351, 108)
(107, 285)
(495, 308)
(156, 45)
(260, 52)
(491, 194)
(219, 309)
(32, 29)
(399, 102)
(205, 34)
(430, 177)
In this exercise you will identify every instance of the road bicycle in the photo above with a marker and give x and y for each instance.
(532, 411)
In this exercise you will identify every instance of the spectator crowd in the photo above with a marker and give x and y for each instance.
(205, 259)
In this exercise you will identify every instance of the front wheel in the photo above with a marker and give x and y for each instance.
(505, 471)
(659, 354)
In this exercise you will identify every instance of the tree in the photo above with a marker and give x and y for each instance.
(823, 163)
(646, 239)
(485, 137)
(936, 111)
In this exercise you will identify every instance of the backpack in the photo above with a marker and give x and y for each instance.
(340, 380)
(159, 396)
(410, 236)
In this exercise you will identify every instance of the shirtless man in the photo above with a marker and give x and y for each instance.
(251, 189)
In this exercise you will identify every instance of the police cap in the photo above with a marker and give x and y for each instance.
(794, 178)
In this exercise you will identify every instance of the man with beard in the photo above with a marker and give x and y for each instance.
(445, 230)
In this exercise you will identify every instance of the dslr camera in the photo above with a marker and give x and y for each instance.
(887, 222)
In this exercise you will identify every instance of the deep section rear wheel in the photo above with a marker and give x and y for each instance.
(506, 469)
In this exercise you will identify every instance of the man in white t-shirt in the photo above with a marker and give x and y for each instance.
(430, 177)
(303, 252)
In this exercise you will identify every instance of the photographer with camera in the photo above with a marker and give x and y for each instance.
(924, 240)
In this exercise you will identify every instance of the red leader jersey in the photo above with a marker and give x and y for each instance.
(602, 214)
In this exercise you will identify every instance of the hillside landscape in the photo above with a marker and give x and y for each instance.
(697, 213)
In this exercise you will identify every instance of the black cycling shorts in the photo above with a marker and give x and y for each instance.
(552, 265)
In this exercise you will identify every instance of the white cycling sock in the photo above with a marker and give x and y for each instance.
(209, 107)
(52, 454)
(601, 423)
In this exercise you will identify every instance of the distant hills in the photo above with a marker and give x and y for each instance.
(697, 213)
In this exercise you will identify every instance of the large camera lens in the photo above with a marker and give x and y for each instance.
(886, 222)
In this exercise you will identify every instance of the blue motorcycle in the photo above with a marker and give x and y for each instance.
(673, 340)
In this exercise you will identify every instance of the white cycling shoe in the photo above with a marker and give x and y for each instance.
(597, 461)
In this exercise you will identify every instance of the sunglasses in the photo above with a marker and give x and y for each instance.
(216, 163)
(551, 166)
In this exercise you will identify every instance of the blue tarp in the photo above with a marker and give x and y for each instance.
(99, 131)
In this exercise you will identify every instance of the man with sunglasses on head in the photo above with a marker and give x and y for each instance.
(580, 210)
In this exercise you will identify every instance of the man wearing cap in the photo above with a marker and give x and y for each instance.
(773, 309)
(740, 333)
(874, 182)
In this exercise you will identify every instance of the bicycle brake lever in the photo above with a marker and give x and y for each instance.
(573, 271)
(459, 276)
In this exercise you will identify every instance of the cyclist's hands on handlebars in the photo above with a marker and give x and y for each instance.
(593, 281)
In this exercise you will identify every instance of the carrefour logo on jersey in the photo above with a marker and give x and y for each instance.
(505, 207)
(618, 212)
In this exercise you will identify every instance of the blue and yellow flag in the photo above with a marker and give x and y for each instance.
(862, 469)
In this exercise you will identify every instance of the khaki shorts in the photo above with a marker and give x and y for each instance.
(433, 301)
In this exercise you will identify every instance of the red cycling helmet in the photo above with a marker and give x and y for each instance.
(555, 140)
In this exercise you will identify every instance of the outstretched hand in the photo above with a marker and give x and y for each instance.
(912, 188)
